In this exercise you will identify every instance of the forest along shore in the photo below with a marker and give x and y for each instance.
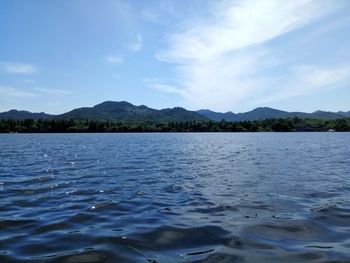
(269, 125)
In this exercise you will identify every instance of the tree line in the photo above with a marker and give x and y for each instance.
(275, 125)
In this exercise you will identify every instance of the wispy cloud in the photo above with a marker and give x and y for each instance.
(113, 59)
(137, 45)
(305, 79)
(46, 91)
(132, 47)
(14, 92)
(156, 85)
(17, 68)
(167, 88)
(314, 77)
(11, 92)
(220, 59)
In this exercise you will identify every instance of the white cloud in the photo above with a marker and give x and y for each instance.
(11, 92)
(56, 92)
(220, 60)
(305, 79)
(320, 32)
(157, 85)
(166, 88)
(133, 47)
(113, 59)
(17, 68)
(137, 45)
(313, 77)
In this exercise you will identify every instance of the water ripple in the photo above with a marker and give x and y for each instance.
(175, 197)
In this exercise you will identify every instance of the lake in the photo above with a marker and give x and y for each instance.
(176, 197)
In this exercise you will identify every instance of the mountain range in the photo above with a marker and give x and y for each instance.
(127, 112)
(268, 113)
(112, 111)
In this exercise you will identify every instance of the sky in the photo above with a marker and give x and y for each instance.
(223, 55)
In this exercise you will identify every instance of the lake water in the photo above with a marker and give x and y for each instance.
(208, 197)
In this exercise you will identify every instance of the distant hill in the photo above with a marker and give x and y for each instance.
(21, 115)
(318, 115)
(268, 113)
(346, 114)
(262, 114)
(127, 112)
(113, 111)
(218, 116)
(256, 114)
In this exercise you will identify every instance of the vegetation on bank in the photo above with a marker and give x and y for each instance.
(276, 125)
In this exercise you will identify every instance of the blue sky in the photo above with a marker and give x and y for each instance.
(224, 55)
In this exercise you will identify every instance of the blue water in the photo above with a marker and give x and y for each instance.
(208, 197)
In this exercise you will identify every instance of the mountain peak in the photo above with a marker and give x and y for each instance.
(111, 103)
(266, 109)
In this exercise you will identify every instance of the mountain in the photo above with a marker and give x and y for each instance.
(256, 114)
(261, 114)
(21, 115)
(346, 114)
(319, 115)
(127, 112)
(113, 111)
(218, 116)
(268, 113)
